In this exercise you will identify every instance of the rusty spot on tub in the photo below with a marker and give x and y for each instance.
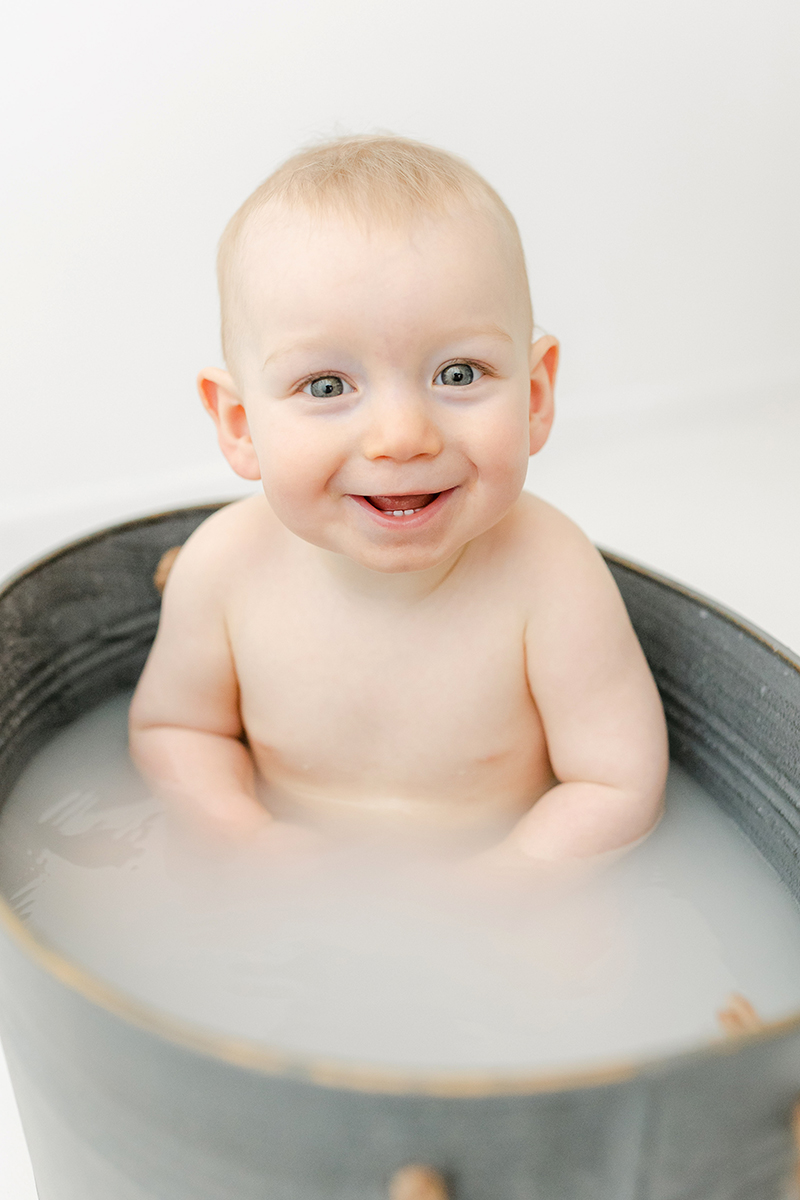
(739, 1016)
(165, 566)
(796, 1140)
(417, 1182)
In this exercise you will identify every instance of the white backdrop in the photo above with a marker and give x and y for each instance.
(648, 150)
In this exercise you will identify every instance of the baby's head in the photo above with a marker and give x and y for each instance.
(376, 324)
(373, 184)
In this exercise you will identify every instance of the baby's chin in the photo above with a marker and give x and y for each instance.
(396, 560)
(406, 559)
(418, 552)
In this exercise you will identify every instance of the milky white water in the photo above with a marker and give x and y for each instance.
(360, 955)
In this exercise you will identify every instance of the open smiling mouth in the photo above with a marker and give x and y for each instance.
(402, 506)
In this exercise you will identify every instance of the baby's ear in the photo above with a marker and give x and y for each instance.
(544, 364)
(223, 403)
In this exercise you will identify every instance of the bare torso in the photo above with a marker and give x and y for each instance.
(450, 700)
(420, 708)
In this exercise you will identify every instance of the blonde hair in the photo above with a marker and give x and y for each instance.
(366, 177)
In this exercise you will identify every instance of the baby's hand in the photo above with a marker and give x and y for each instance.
(267, 849)
(505, 867)
(285, 842)
(238, 826)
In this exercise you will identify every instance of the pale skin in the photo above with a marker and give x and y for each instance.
(464, 664)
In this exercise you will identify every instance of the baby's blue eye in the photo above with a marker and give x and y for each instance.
(458, 375)
(326, 386)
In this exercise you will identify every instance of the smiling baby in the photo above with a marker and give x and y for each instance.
(393, 630)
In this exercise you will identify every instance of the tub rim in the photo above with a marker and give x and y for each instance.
(353, 1075)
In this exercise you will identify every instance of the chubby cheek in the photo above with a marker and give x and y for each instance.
(500, 453)
(284, 490)
(296, 467)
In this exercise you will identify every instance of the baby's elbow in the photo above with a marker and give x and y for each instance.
(138, 723)
(138, 741)
(656, 782)
(647, 797)
(651, 759)
(641, 791)
(652, 808)
(143, 740)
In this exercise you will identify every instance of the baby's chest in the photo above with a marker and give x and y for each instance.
(381, 682)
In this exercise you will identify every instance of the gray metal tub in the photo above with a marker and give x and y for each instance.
(120, 1102)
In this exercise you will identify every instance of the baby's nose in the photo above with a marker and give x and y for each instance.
(401, 427)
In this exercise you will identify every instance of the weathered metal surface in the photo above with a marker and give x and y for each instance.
(121, 1103)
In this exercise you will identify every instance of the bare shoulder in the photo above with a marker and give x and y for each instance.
(577, 624)
(552, 551)
(573, 608)
(223, 547)
(587, 673)
(189, 678)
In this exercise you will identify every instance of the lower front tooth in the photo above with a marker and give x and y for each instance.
(409, 512)
(398, 512)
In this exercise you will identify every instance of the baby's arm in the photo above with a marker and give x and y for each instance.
(185, 727)
(599, 706)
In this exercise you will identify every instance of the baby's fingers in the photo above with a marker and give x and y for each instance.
(285, 842)
(505, 867)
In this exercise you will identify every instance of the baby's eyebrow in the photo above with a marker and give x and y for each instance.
(451, 335)
(289, 348)
(471, 331)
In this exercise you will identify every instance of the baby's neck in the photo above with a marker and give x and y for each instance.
(386, 587)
